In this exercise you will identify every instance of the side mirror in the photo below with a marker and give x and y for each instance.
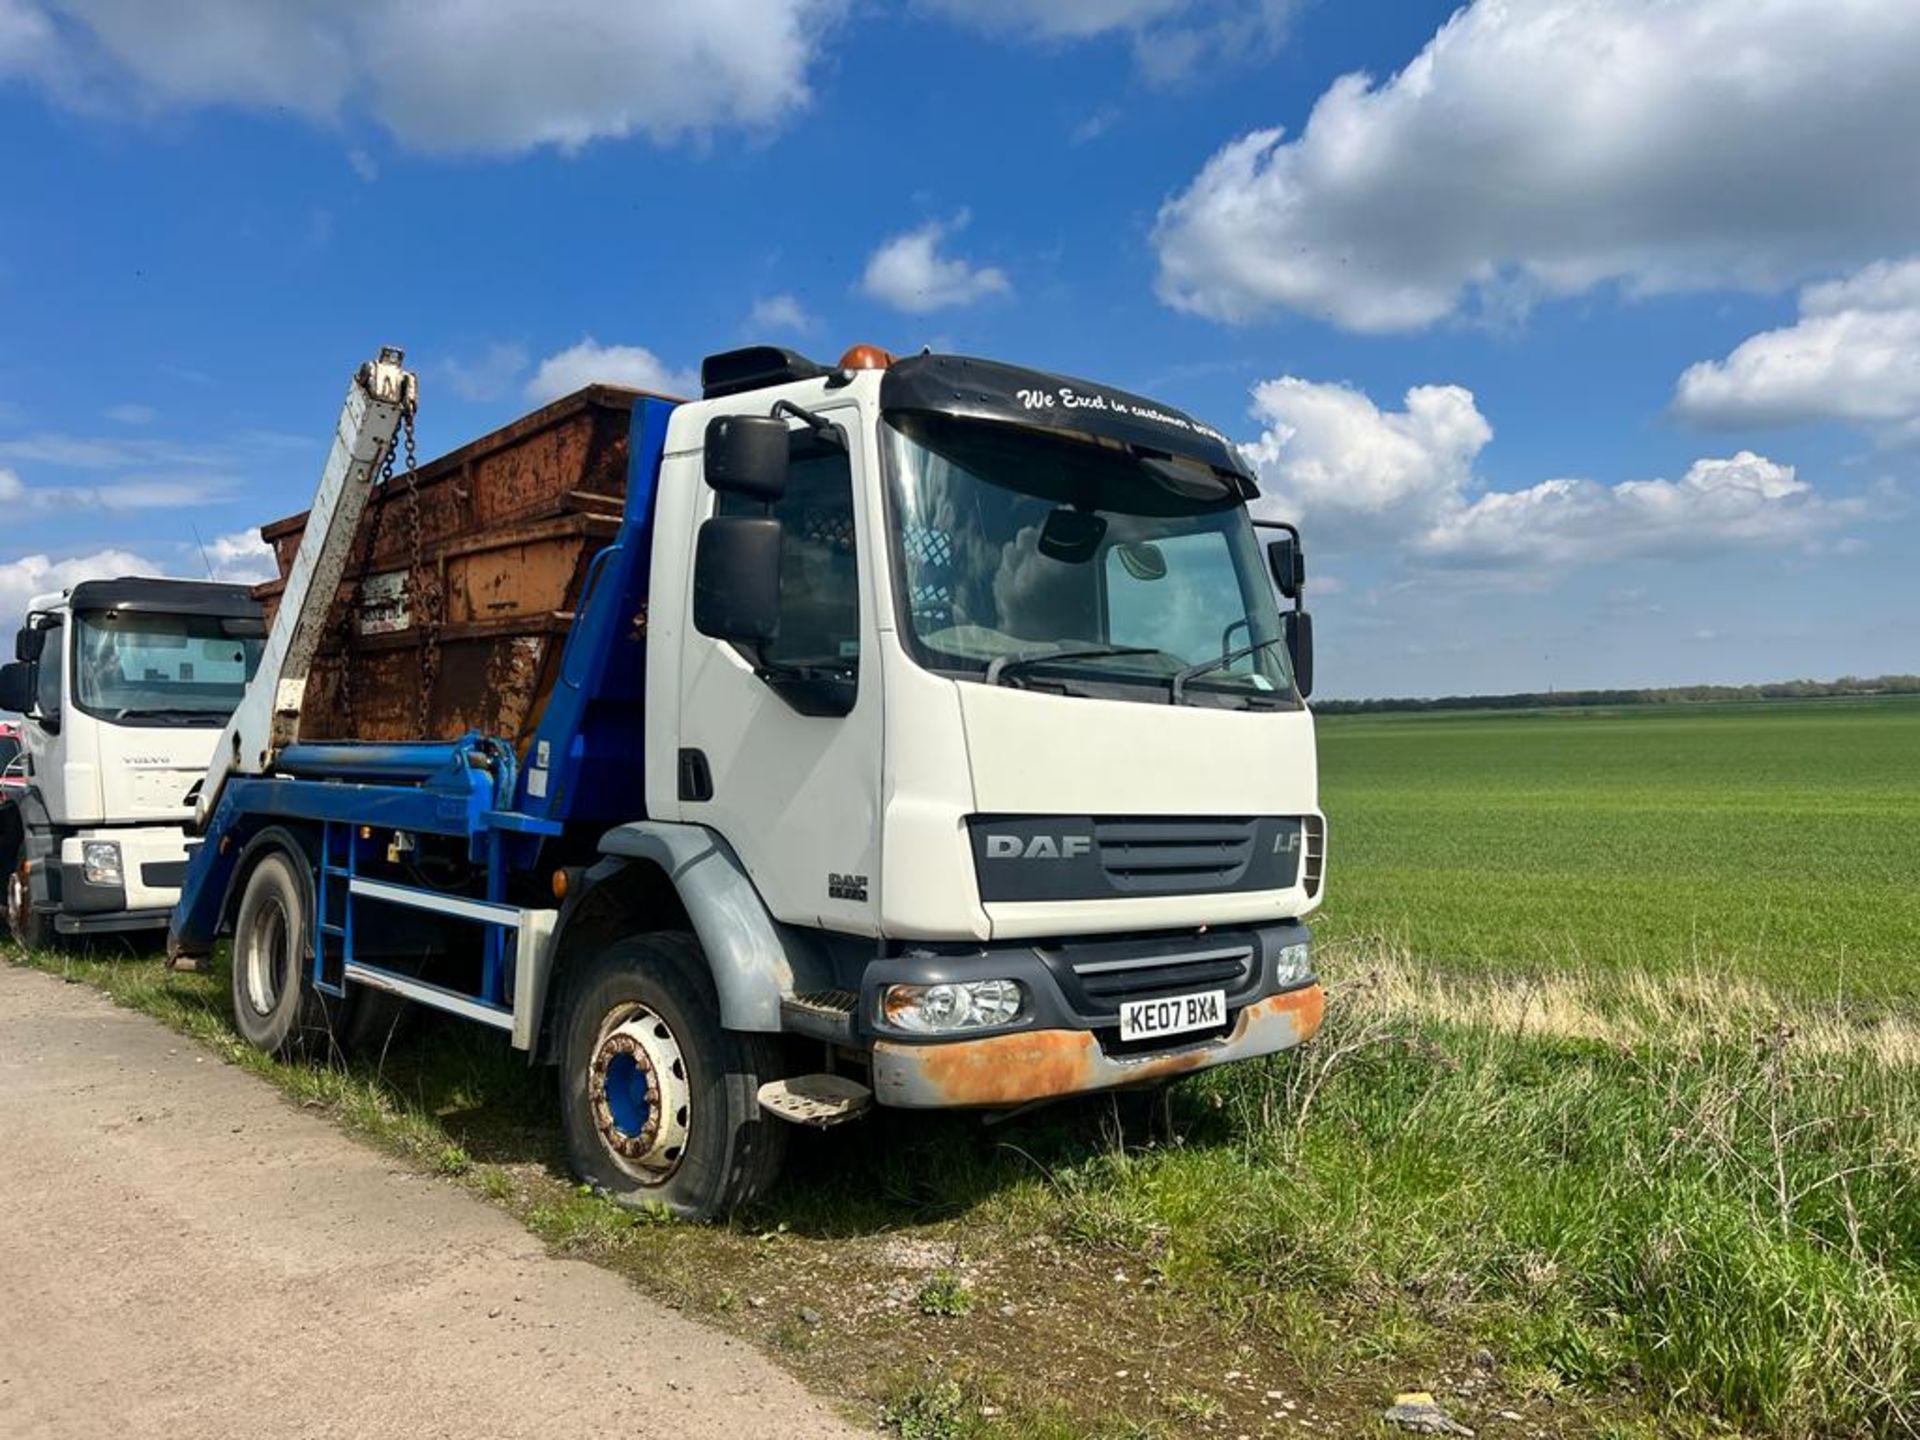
(29, 642)
(16, 687)
(1297, 627)
(1288, 561)
(736, 578)
(747, 455)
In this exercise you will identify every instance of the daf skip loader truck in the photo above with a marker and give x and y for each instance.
(124, 685)
(920, 732)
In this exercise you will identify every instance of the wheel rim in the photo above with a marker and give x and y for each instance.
(267, 957)
(18, 906)
(637, 1086)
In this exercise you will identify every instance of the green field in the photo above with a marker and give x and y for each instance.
(1614, 1127)
(1774, 840)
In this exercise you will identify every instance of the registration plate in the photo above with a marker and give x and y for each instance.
(1151, 1019)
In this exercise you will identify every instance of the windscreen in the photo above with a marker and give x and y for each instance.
(1076, 565)
(135, 667)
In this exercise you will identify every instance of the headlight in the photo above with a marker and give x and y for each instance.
(1296, 965)
(968, 1005)
(100, 860)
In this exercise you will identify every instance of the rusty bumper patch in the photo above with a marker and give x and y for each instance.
(1041, 1064)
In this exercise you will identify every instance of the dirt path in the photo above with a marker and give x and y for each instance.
(182, 1252)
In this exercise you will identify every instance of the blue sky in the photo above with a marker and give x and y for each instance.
(1582, 335)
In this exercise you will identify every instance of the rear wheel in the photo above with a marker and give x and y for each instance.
(275, 1007)
(661, 1104)
(31, 929)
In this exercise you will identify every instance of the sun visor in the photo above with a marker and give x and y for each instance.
(993, 393)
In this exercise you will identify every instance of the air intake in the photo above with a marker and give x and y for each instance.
(1316, 832)
(733, 372)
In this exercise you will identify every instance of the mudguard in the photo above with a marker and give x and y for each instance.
(755, 960)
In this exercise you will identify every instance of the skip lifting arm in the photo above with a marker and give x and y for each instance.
(382, 396)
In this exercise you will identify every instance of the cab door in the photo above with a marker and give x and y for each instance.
(780, 743)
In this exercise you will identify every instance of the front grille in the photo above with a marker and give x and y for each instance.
(1146, 856)
(1110, 982)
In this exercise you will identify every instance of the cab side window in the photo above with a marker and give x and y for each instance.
(819, 569)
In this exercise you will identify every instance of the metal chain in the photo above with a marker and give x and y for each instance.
(427, 590)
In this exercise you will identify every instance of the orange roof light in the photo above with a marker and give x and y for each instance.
(865, 357)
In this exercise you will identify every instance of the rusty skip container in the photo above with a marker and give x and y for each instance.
(461, 585)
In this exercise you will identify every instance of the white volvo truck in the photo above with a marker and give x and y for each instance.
(125, 685)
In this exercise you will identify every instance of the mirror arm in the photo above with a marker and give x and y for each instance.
(819, 424)
(1299, 590)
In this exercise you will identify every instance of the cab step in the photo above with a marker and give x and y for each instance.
(816, 1100)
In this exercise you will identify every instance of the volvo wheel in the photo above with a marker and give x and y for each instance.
(661, 1104)
(31, 929)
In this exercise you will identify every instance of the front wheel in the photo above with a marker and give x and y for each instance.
(31, 929)
(661, 1105)
(275, 1008)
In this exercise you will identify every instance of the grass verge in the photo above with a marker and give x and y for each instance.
(1584, 1203)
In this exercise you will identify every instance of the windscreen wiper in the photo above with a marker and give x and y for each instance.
(165, 713)
(1021, 658)
(1194, 672)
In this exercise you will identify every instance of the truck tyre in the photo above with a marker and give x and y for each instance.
(661, 1105)
(275, 1007)
(31, 929)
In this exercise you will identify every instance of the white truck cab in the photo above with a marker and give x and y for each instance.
(125, 685)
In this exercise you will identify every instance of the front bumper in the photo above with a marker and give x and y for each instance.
(1022, 1066)
(153, 862)
(1067, 1041)
(112, 923)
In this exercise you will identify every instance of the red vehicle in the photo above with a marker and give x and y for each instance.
(13, 761)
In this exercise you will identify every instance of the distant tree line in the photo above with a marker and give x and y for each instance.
(1670, 695)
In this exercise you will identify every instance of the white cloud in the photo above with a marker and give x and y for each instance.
(909, 273)
(31, 575)
(1720, 504)
(779, 312)
(487, 377)
(1403, 483)
(590, 362)
(363, 164)
(1172, 39)
(1543, 147)
(131, 414)
(441, 75)
(241, 558)
(133, 472)
(26, 37)
(1330, 458)
(1853, 355)
(1056, 19)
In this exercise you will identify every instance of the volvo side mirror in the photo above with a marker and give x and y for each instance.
(1288, 562)
(29, 642)
(1297, 627)
(747, 455)
(736, 578)
(16, 687)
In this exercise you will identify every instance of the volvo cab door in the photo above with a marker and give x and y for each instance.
(780, 737)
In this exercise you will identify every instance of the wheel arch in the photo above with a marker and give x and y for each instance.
(658, 876)
(297, 846)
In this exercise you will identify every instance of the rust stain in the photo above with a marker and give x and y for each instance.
(507, 527)
(1043, 1064)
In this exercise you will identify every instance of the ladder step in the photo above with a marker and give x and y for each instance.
(817, 1100)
